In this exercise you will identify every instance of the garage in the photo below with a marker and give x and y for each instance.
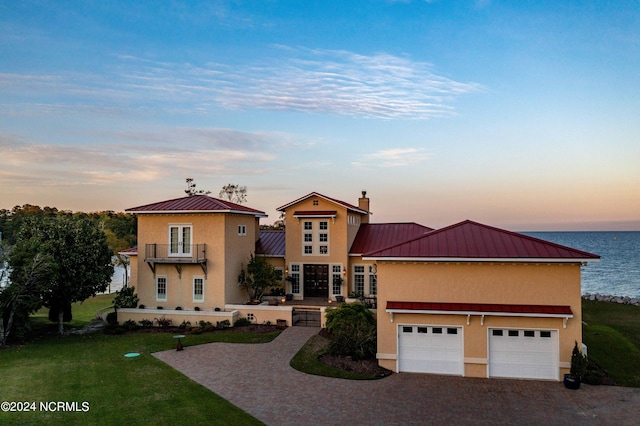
(523, 353)
(430, 349)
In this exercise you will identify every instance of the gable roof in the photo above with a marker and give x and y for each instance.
(333, 200)
(271, 243)
(376, 236)
(195, 204)
(472, 241)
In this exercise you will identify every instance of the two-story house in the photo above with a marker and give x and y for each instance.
(468, 299)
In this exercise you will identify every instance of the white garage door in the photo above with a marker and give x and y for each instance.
(430, 349)
(525, 354)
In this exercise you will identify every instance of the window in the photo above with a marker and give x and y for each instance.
(251, 317)
(497, 332)
(315, 202)
(324, 250)
(407, 329)
(324, 225)
(452, 330)
(161, 288)
(437, 330)
(279, 272)
(308, 226)
(373, 281)
(242, 230)
(179, 240)
(358, 279)
(295, 279)
(513, 333)
(423, 330)
(529, 333)
(308, 249)
(336, 279)
(198, 289)
(324, 238)
(545, 334)
(308, 238)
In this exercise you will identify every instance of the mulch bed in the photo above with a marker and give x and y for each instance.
(367, 367)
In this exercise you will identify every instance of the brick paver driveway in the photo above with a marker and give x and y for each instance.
(258, 379)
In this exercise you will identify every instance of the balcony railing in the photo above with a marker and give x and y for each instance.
(167, 253)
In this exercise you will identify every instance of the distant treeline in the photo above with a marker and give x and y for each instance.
(120, 228)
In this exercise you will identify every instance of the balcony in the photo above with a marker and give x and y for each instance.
(176, 255)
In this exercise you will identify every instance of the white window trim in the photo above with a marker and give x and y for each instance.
(181, 252)
(369, 275)
(193, 293)
(299, 274)
(242, 230)
(364, 277)
(166, 288)
(333, 275)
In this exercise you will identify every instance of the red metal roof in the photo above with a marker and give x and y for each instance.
(316, 194)
(271, 243)
(195, 203)
(488, 308)
(375, 236)
(130, 251)
(471, 240)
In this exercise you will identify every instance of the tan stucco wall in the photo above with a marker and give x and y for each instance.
(528, 284)
(263, 313)
(176, 317)
(226, 252)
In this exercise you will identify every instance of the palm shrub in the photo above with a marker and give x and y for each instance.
(352, 331)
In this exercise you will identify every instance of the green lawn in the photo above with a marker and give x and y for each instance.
(143, 390)
(119, 390)
(612, 335)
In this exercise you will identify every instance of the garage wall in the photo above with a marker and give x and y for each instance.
(531, 284)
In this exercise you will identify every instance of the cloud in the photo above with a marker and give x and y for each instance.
(136, 156)
(290, 79)
(396, 157)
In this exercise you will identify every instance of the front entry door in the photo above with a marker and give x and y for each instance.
(316, 280)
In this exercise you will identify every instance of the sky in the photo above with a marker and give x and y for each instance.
(518, 114)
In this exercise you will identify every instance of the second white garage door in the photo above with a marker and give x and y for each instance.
(430, 349)
(524, 354)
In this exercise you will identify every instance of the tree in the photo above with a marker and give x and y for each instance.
(352, 329)
(22, 296)
(79, 255)
(259, 276)
(191, 189)
(234, 193)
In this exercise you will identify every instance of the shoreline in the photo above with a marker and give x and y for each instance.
(622, 300)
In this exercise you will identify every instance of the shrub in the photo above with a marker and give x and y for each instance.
(112, 318)
(217, 309)
(146, 323)
(159, 307)
(352, 331)
(197, 308)
(185, 324)
(129, 325)
(126, 298)
(178, 308)
(141, 307)
(203, 323)
(163, 322)
(242, 322)
(223, 324)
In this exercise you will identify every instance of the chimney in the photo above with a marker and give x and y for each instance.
(363, 204)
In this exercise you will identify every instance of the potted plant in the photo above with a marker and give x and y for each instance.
(578, 368)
